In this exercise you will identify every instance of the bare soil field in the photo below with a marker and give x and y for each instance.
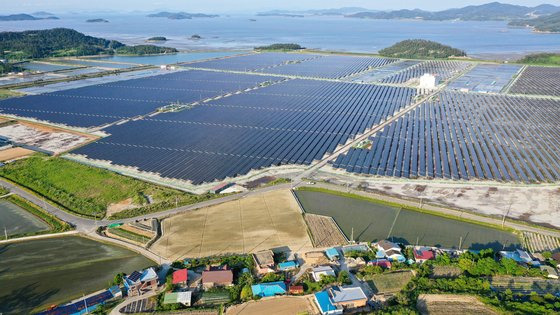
(247, 225)
(277, 305)
(452, 304)
(324, 231)
(14, 154)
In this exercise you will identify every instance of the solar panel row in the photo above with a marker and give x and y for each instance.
(381, 73)
(250, 62)
(443, 70)
(486, 78)
(293, 122)
(466, 136)
(538, 81)
(106, 103)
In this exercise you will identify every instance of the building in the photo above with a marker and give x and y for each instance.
(264, 261)
(551, 273)
(269, 289)
(332, 254)
(389, 250)
(556, 258)
(219, 188)
(326, 305)
(423, 254)
(295, 289)
(83, 306)
(520, 256)
(321, 271)
(217, 277)
(178, 297)
(139, 283)
(348, 297)
(383, 263)
(288, 265)
(180, 277)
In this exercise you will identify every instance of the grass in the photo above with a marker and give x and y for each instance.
(5, 93)
(406, 207)
(88, 191)
(278, 181)
(544, 59)
(130, 235)
(390, 282)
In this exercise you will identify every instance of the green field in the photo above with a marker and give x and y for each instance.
(88, 191)
(390, 282)
(37, 274)
(17, 221)
(373, 221)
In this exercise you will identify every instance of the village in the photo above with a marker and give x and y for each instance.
(356, 278)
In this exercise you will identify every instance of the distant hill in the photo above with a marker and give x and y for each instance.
(42, 13)
(181, 15)
(550, 23)
(25, 17)
(97, 21)
(65, 42)
(420, 48)
(337, 11)
(494, 11)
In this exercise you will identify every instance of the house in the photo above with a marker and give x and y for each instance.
(139, 283)
(295, 289)
(180, 277)
(326, 305)
(348, 297)
(321, 271)
(423, 254)
(520, 256)
(288, 265)
(550, 272)
(269, 289)
(264, 261)
(332, 254)
(219, 188)
(556, 258)
(178, 297)
(389, 250)
(383, 263)
(217, 276)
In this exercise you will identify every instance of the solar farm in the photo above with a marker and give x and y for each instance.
(230, 117)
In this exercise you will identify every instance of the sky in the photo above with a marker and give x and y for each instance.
(235, 6)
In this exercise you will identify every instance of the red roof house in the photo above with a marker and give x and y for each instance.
(180, 276)
(383, 263)
(422, 254)
(296, 289)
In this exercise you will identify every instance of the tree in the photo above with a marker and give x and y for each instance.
(118, 279)
(271, 277)
(246, 293)
(343, 278)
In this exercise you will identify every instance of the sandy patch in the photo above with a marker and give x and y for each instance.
(120, 206)
(14, 154)
(452, 304)
(247, 225)
(278, 305)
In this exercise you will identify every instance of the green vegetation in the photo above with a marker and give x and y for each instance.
(280, 47)
(88, 191)
(157, 39)
(548, 23)
(389, 282)
(59, 42)
(56, 225)
(278, 181)
(4, 191)
(311, 286)
(130, 235)
(551, 59)
(420, 49)
(4, 93)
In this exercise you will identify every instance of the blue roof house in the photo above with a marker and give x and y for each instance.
(288, 265)
(326, 305)
(269, 289)
(332, 253)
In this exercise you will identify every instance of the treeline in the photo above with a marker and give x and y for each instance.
(542, 59)
(550, 23)
(283, 47)
(420, 48)
(60, 42)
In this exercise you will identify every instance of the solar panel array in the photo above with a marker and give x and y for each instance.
(486, 78)
(443, 70)
(250, 62)
(381, 73)
(106, 103)
(293, 122)
(466, 136)
(330, 67)
(538, 81)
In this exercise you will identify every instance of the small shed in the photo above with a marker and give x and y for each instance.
(332, 253)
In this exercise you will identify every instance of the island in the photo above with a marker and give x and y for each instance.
(420, 48)
(494, 11)
(157, 39)
(25, 17)
(181, 15)
(97, 21)
(280, 47)
(545, 24)
(60, 42)
(196, 37)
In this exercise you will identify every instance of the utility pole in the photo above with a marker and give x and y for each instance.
(460, 242)
(6, 233)
(85, 303)
(352, 237)
(506, 214)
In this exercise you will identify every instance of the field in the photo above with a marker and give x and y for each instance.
(537, 243)
(525, 285)
(374, 221)
(86, 190)
(278, 305)
(18, 221)
(37, 274)
(14, 154)
(443, 304)
(390, 282)
(324, 231)
(246, 225)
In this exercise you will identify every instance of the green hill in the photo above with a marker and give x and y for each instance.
(59, 42)
(542, 59)
(420, 48)
(550, 23)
